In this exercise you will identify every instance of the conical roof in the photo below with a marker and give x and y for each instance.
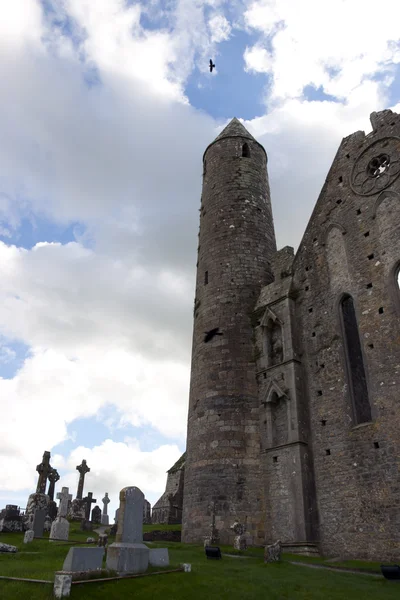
(234, 129)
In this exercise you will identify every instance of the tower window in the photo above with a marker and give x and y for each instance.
(354, 361)
(204, 167)
(245, 151)
(205, 277)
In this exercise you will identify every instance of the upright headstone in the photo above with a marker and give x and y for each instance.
(83, 469)
(53, 477)
(28, 537)
(43, 469)
(60, 527)
(89, 500)
(128, 554)
(96, 515)
(104, 516)
(83, 559)
(38, 522)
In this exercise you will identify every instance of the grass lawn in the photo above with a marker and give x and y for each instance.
(228, 579)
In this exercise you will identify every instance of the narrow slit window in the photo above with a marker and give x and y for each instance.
(245, 151)
(354, 361)
(206, 278)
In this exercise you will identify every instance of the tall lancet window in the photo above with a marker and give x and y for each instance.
(357, 380)
(245, 151)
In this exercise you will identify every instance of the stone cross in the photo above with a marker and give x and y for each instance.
(105, 501)
(83, 469)
(53, 477)
(43, 469)
(64, 498)
(89, 500)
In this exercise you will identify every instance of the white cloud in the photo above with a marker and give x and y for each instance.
(335, 45)
(220, 28)
(108, 318)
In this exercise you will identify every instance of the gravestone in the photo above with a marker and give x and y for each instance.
(53, 477)
(77, 510)
(158, 557)
(83, 559)
(38, 522)
(104, 516)
(213, 538)
(240, 542)
(89, 500)
(128, 554)
(60, 526)
(29, 535)
(62, 585)
(272, 553)
(96, 515)
(47, 523)
(11, 519)
(83, 469)
(35, 502)
(43, 469)
(8, 548)
(52, 510)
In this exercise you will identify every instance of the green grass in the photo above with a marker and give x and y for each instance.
(228, 579)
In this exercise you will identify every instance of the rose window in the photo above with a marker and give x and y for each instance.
(377, 167)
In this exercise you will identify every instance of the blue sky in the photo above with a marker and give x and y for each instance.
(107, 109)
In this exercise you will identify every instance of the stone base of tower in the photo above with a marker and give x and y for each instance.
(234, 495)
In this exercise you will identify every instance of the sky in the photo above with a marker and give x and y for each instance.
(106, 109)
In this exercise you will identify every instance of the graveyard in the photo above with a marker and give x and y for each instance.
(240, 576)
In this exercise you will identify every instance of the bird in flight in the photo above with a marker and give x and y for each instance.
(210, 334)
(212, 65)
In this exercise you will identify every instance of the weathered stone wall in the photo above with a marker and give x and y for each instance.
(352, 246)
(168, 508)
(236, 240)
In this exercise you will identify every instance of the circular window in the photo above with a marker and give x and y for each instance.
(377, 167)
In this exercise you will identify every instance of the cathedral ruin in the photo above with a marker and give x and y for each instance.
(293, 424)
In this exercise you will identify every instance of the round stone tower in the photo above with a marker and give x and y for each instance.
(236, 243)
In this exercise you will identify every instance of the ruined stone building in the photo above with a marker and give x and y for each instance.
(294, 411)
(168, 508)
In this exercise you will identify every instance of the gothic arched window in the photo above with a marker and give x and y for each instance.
(274, 343)
(245, 151)
(357, 381)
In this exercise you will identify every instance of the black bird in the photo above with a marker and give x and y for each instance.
(212, 65)
(210, 334)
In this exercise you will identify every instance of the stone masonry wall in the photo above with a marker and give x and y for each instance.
(235, 240)
(352, 246)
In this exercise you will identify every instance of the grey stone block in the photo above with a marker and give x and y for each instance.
(158, 557)
(8, 548)
(38, 521)
(59, 529)
(29, 535)
(62, 585)
(84, 559)
(128, 558)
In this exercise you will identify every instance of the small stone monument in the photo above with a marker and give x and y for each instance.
(29, 535)
(89, 500)
(272, 553)
(104, 516)
(239, 543)
(83, 469)
(128, 554)
(78, 507)
(53, 477)
(213, 538)
(44, 470)
(83, 559)
(60, 526)
(39, 517)
(96, 515)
